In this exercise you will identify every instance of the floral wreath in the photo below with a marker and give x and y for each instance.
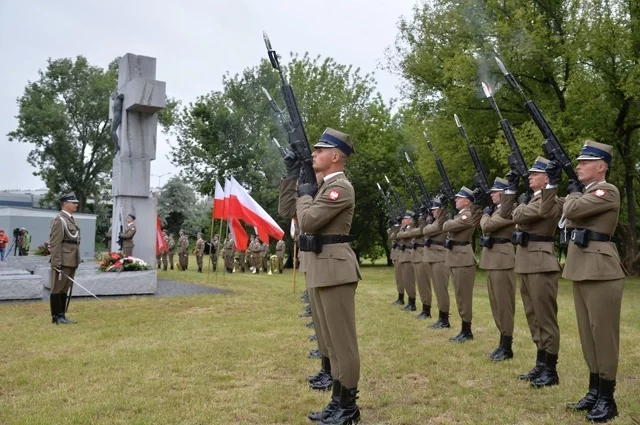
(118, 262)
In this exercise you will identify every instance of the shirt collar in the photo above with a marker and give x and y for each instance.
(327, 177)
(592, 183)
(131, 224)
(67, 213)
(537, 192)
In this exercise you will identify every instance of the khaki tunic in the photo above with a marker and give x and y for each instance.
(172, 250)
(127, 239)
(228, 254)
(436, 255)
(597, 275)
(394, 255)
(199, 252)
(64, 240)
(280, 254)
(421, 268)
(404, 259)
(163, 255)
(183, 252)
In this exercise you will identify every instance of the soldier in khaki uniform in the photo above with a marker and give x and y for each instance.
(171, 245)
(592, 209)
(404, 260)
(435, 254)
(280, 254)
(213, 252)
(325, 216)
(163, 254)
(265, 256)
(199, 251)
(395, 256)
(498, 259)
(183, 250)
(248, 253)
(241, 259)
(64, 241)
(256, 255)
(421, 268)
(229, 248)
(460, 257)
(536, 222)
(127, 236)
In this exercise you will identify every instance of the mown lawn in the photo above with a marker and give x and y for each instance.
(240, 358)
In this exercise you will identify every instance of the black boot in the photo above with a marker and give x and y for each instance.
(497, 350)
(314, 354)
(426, 312)
(325, 369)
(330, 409)
(322, 380)
(411, 305)
(506, 352)
(587, 402)
(199, 269)
(309, 325)
(442, 322)
(54, 303)
(605, 407)
(399, 301)
(307, 312)
(549, 375)
(63, 309)
(464, 335)
(347, 412)
(313, 337)
(534, 373)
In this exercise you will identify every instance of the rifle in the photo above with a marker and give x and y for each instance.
(446, 187)
(297, 135)
(552, 148)
(426, 198)
(416, 204)
(392, 217)
(481, 176)
(283, 152)
(516, 160)
(119, 241)
(401, 209)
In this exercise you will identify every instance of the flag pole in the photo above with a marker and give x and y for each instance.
(294, 265)
(220, 246)
(210, 246)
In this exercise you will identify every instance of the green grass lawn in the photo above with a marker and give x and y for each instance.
(240, 358)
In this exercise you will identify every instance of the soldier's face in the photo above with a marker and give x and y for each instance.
(406, 221)
(496, 197)
(70, 207)
(323, 158)
(538, 180)
(462, 203)
(590, 171)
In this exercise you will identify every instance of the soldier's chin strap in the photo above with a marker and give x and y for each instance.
(75, 282)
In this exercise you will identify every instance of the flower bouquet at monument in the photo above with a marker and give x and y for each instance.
(118, 262)
(43, 250)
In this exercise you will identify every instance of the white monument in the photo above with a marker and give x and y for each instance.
(143, 98)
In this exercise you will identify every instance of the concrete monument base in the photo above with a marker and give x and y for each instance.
(27, 262)
(20, 287)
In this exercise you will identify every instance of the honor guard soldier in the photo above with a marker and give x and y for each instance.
(498, 259)
(421, 268)
(460, 257)
(394, 256)
(325, 216)
(127, 236)
(229, 247)
(404, 260)
(280, 254)
(171, 245)
(199, 251)
(183, 250)
(163, 257)
(213, 253)
(249, 254)
(256, 255)
(265, 257)
(536, 222)
(64, 241)
(592, 209)
(241, 258)
(435, 254)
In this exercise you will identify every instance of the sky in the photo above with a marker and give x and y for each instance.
(195, 43)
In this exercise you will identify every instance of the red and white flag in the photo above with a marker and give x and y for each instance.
(238, 234)
(243, 206)
(217, 210)
(161, 246)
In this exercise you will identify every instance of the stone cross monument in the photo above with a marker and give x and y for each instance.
(143, 98)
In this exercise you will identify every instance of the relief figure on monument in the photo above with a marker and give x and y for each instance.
(117, 118)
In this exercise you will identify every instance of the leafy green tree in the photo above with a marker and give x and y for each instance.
(176, 203)
(65, 116)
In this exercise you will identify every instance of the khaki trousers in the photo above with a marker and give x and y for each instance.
(423, 275)
(398, 273)
(199, 261)
(501, 285)
(408, 279)
(463, 280)
(61, 283)
(280, 262)
(128, 252)
(183, 259)
(336, 312)
(598, 304)
(539, 293)
(171, 260)
(317, 324)
(441, 285)
(164, 261)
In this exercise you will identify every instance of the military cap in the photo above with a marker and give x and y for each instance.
(435, 204)
(69, 197)
(132, 216)
(499, 184)
(336, 139)
(540, 165)
(465, 192)
(408, 214)
(592, 151)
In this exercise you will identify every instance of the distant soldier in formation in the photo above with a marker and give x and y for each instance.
(280, 254)
(163, 257)
(242, 259)
(183, 250)
(171, 245)
(404, 260)
(248, 254)
(228, 254)
(460, 258)
(421, 268)
(536, 221)
(256, 255)
(392, 232)
(127, 236)
(265, 256)
(213, 253)
(498, 259)
(199, 251)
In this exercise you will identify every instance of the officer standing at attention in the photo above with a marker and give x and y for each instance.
(421, 268)
(199, 251)
(256, 255)
(265, 256)
(406, 266)
(249, 254)
(394, 256)
(498, 259)
(538, 267)
(164, 253)
(592, 209)
(64, 241)
(171, 245)
(280, 254)
(241, 258)
(228, 254)
(183, 250)
(127, 236)
(435, 253)
(325, 216)
(213, 253)
(460, 257)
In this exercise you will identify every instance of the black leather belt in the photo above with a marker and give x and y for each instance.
(597, 236)
(428, 242)
(417, 245)
(531, 237)
(500, 240)
(330, 239)
(450, 243)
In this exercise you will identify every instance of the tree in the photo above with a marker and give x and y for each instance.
(176, 204)
(65, 115)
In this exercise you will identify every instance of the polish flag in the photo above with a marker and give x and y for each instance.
(243, 206)
(161, 246)
(227, 192)
(238, 234)
(217, 210)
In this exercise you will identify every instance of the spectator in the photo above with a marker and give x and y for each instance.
(25, 241)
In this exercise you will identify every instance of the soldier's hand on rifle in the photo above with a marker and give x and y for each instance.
(575, 186)
(293, 164)
(513, 179)
(554, 173)
(524, 198)
(478, 196)
(488, 210)
(307, 189)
